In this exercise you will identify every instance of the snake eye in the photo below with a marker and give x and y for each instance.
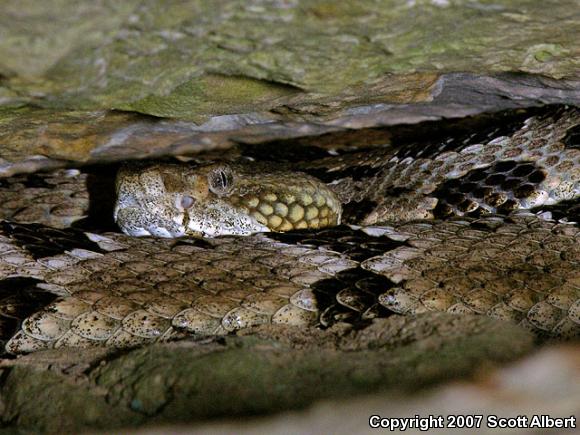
(186, 202)
(221, 180)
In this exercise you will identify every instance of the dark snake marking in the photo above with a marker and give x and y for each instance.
(495, 189)
(51, 242)
(566, 211)
(572, 138)
(351, 295)
(19, 298)
(460, 134)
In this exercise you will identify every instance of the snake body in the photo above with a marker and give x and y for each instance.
(445, 227)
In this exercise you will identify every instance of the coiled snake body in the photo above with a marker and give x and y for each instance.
(445, 226)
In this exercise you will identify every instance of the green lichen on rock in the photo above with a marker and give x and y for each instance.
(213, 94)
(161, 57)
(35, 36)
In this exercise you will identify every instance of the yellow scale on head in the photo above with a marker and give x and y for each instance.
(306, 205)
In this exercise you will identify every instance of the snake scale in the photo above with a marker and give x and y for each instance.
(483, 223)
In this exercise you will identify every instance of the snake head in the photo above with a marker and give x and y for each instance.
(174, 200)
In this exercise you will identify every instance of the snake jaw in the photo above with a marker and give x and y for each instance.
(219, 218)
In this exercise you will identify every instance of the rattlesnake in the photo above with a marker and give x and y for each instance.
(484, 223)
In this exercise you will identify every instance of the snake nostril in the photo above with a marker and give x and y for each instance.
(186, 201)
